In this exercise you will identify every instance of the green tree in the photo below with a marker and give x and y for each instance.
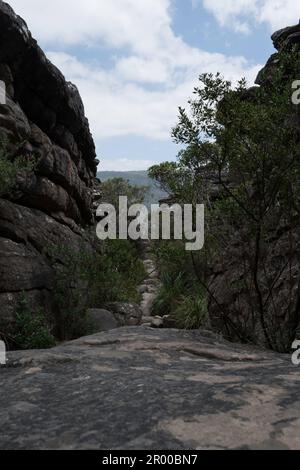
(115, 187)
(241, 158)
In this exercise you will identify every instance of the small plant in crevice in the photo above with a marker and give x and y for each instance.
(11, 167)
(32, 330)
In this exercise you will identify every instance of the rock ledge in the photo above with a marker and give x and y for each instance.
(138, 388)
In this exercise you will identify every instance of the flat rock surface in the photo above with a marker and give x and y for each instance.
(138, 388)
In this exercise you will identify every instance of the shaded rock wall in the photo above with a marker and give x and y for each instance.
(43, 117)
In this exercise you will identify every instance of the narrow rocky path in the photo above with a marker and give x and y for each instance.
(150, 286)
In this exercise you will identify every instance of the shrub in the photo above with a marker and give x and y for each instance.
(90, 278)
(124, 271)
(32, 331)
(171, 256)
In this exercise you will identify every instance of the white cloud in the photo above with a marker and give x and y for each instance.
(240, 15)
(229, 12)
(140, 69)
(139, 24)
(279, 13)
(116, 107)
(154, 70)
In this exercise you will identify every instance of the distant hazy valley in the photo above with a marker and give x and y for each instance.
(138, 178)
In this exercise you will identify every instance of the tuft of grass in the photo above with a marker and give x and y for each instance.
(171, 290)
(182, 299)
(192, 312)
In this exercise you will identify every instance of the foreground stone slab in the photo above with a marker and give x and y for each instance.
(139, 388)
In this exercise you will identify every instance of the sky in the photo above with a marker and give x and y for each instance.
(136, 61)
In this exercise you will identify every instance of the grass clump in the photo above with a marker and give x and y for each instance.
(191, 312)
(181, 296)
(172, 288)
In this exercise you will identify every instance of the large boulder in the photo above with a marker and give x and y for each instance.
(287, 38)
(126, 314)
(100, 319)
(284, 40)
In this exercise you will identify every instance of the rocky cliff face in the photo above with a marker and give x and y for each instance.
(281, 265)
(43, 117)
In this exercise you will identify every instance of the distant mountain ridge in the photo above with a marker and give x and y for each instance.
(138, 178)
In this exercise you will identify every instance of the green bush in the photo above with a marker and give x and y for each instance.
(123, 271)
(32, 331)
(171, 256)
(90, 278)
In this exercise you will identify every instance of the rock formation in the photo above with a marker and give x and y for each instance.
(285, 39)
(138, 388)
(43, 117)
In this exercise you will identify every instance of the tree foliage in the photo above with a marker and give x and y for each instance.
(115, 187)
(241, 158)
